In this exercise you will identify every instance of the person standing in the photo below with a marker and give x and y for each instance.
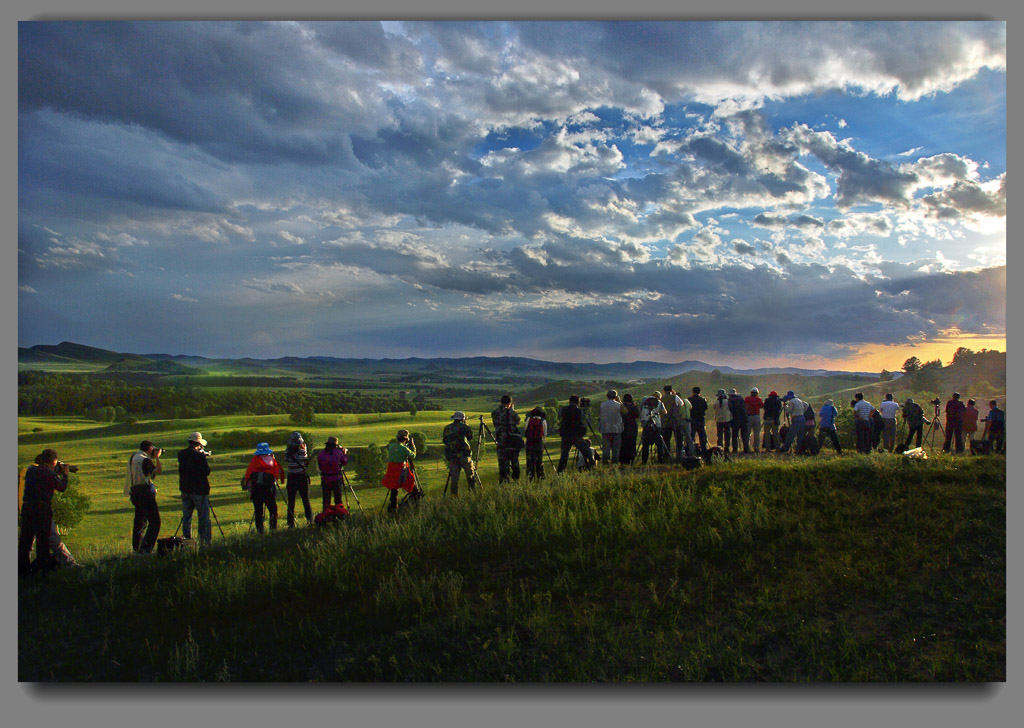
(677, 422)
(296, 460)
(261, 479)
(399, 473)
(888, 409)
(723, 419)
(651, 414)
(954, 423)
(571, 430)
(42, 479)
(970, 422)
(772, 417)
(669, 421)
(194, 484)
(698, 413)
(609, 421)
(796, 408)
(535, 431)
(143, 466)
(506, 434)
(827, 425)
(630, 429)
(862, 422)
(913, 415)
(995, 427)
(738, 410)
(330, 462)
(754, 404)
(456, 437)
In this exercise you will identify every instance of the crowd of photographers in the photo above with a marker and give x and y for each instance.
(662, 425)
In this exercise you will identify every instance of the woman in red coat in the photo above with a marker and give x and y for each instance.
(260, 480)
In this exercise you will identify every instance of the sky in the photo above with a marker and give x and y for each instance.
(815, 194)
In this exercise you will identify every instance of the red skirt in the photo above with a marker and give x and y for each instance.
(399, 475)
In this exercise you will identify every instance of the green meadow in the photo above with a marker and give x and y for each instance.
(852, 568)
(101, 452)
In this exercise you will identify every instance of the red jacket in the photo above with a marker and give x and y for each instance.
(754, 404)
(259, 465)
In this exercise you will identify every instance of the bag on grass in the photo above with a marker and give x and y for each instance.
(331, 514)
(166, 545)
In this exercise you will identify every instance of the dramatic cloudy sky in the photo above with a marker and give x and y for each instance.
(743, 193)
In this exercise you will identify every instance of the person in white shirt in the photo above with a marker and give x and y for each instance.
(610, 424)
(862, 410)
(888, 410)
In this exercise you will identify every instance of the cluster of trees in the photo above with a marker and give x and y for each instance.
(114, 400)
(984, 370)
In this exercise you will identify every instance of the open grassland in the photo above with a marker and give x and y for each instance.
(101, 452)
(857, 568)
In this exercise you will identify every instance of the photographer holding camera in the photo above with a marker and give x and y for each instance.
(48, 474)
(143, 466)
(194, 484)
(509, 442)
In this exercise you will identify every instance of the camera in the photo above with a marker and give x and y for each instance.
(584, 403)
(936, 401)
(71, 468)
(207, 453)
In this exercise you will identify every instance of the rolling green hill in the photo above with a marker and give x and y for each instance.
(873, 568)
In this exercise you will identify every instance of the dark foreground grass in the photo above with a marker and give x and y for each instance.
(850, 569)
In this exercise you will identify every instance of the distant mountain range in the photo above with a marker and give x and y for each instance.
(68, 353)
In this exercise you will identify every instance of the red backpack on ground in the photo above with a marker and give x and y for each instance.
(331, 514)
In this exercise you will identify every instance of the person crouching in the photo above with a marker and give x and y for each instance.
(399, 473)
(260, 479)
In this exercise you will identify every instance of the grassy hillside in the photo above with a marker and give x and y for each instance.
(872, 568)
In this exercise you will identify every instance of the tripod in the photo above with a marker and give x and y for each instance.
(932, 427)
(345, 480)
(212, 512)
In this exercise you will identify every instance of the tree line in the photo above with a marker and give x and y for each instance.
(115, 400)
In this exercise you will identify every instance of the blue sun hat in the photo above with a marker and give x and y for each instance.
(263, 449)
(789, 396)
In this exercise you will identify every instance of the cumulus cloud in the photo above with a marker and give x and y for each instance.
(508, 171)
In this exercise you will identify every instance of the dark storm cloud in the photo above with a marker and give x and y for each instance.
(240, 91)
(775, 59)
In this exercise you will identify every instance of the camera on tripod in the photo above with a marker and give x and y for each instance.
(584, 403)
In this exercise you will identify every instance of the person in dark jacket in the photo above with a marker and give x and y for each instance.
(740, 429)
(506, 433)
(194, 484)
(698, 413)
(954, 423)
(913, 415)
(995, 427)
(571, 429)
(772, 420)
(630, 430)
(41, 481)
(296, 461)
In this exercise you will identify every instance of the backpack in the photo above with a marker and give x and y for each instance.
(454, 442)
(331, 514)
(534, 430)
(649, 410)
(809, 446)
(262, 482)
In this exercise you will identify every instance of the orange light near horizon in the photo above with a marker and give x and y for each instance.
(876, 357)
